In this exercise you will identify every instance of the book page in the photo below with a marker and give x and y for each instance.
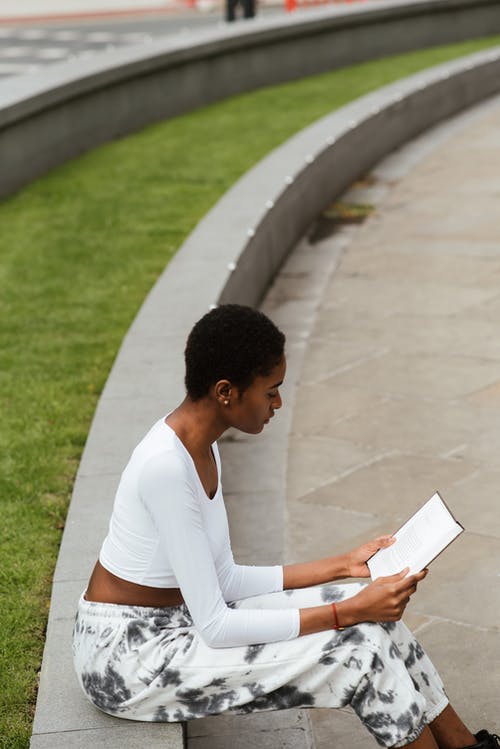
(418, 541)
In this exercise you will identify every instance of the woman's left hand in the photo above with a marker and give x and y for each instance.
(356, 559)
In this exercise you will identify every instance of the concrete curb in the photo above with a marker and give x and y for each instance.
(47, 118)
(263, 216)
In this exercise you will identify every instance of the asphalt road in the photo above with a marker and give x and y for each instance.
(26, 47)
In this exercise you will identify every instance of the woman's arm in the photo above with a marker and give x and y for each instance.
(170, 496)
(351, 564)
(384, 600)
(314, 573)
(168, 489)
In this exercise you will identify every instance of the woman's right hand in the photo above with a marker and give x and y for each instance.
(383, 600)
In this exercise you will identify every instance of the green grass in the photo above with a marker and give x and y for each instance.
(79, 249)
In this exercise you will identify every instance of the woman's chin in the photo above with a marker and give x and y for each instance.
(251, 430)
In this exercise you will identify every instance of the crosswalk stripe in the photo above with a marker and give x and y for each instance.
(65, 35)
(31, 34)
(15, 52)
(99, 36)
(52, 53)
(136, 36)
(11, 68)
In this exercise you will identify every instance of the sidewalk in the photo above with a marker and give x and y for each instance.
(397, 396)
(28, 11)
(400, 396)
(12, 11)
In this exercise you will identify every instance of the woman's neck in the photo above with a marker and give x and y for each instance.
(196, 424)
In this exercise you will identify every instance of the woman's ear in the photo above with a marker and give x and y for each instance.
(223, 392)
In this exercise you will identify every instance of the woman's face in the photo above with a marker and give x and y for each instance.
(252, 410)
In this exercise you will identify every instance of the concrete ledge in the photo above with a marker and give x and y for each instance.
(48, 118)
(232, 255)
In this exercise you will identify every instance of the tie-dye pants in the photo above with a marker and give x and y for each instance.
(151, 664)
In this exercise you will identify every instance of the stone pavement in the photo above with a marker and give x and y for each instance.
(393, 392)
(400, 396)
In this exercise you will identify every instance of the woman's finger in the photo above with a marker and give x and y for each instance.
(415, 579)
(423, 573)
(385, 541)
(398, 577)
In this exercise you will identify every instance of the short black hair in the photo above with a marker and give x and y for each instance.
(231, 342)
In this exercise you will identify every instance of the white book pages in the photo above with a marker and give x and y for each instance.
(430, 530)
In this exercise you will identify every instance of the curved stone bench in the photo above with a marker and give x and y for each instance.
(263, 216)
(68, 108)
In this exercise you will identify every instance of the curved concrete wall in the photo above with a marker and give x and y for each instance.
(51, 117)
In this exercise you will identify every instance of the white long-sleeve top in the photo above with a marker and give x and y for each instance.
(166, 532)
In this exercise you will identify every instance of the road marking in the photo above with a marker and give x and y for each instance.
(136, 37)
(43, 46)
(16, 52)
(65, 35)
(52, 53)
(16, 68)
(99, 36)
(31, 33)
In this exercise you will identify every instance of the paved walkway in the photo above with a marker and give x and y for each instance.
(48, 9)
(397, 394)
(400, 395)
(20, 11)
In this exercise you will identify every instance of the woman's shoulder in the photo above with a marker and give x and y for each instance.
(162, 452)
(159, 447)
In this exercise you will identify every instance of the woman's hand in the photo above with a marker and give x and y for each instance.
(384, 600)
(356, 559)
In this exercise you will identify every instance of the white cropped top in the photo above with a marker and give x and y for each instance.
(165, 532)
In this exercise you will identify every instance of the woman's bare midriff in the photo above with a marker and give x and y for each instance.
(104, 587)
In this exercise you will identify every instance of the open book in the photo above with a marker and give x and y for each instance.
(430, 530)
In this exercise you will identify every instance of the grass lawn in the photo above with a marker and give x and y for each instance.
(79, 250)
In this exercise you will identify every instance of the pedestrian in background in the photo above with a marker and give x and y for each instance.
(247, 5)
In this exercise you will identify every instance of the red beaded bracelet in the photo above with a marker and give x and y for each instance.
(336, 624)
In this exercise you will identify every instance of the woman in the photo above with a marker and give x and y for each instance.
(170, 628)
